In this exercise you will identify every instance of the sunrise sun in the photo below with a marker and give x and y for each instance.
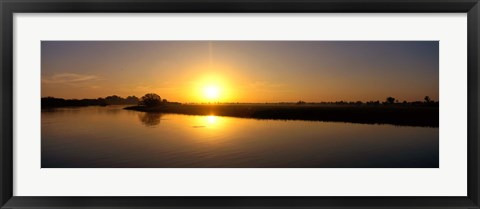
(211, 87)
(211, 92)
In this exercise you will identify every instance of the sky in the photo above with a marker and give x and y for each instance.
(242, 71)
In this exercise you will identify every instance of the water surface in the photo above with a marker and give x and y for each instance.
(93, 137)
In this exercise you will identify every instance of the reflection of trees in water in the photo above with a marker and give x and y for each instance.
(150, 118)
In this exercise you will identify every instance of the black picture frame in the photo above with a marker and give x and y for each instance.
(9, 7)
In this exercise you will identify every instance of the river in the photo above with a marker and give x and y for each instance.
(111, 137)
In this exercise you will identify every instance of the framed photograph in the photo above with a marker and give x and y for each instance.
(239, 104)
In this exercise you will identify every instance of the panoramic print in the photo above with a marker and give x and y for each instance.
(240, 104)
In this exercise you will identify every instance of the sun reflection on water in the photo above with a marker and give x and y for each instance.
(209, 122)
(211, 119)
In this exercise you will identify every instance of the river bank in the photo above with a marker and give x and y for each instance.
(408, 115)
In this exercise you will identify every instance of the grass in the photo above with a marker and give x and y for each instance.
(396, 114)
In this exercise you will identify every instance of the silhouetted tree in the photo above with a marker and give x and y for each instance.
(427, 99)
(390, 100)
(132, 100)
(150, 100)
(101, 101)
(114, 99)
(301, 102)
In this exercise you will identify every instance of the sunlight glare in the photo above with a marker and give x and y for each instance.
(212, 92)
(211, 119)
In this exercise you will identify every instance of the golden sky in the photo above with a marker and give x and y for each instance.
(242, 71)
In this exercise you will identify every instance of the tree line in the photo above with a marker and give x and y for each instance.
(109, 100)
(388, 101)
(150, 99)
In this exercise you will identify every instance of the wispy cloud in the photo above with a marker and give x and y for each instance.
(70, 78)
(264, 85)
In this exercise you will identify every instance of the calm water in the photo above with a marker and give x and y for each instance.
(113, 137)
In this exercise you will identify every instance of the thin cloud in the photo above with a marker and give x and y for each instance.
(265, 86)
(69, 78)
